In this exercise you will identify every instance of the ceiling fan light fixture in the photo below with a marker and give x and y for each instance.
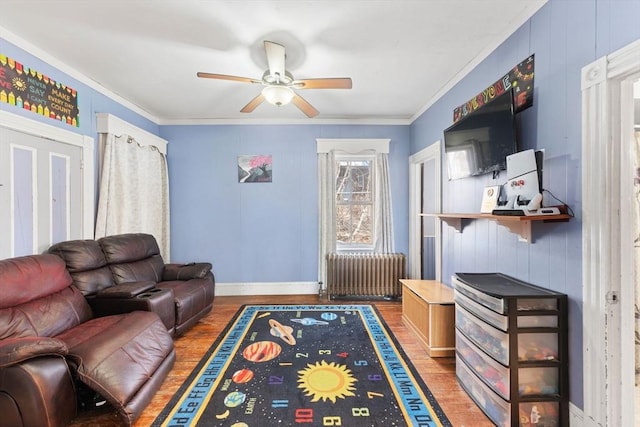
(278, 95)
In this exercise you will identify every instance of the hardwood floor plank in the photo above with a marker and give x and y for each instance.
(437, 373)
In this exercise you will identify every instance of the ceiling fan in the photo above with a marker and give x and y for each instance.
(279, 83)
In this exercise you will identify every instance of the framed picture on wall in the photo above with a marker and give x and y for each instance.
(255, 168)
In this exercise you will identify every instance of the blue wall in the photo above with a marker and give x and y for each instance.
(565, 35)
(262, 232)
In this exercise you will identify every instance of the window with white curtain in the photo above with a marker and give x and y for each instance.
(354, 198)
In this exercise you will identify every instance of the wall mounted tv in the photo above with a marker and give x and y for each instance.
(480, 142)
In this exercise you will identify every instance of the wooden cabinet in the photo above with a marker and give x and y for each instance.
(511, 349)
(428, 310)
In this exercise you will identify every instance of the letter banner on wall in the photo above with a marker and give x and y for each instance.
(520, 79)
(31, 90)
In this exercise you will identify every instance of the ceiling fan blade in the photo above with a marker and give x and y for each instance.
(303, 105)
(227, 77)
(275, 58)
(253, 104)
(330, 83)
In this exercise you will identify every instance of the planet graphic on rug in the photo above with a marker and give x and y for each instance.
(262, 351)
(234, 399)
(308, 321)
(329, 316)
(242, 376)
(282, 331)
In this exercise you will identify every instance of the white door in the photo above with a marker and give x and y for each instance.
(41, 192)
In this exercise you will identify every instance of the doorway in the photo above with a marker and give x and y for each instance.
(608, 247)
(46, 186)
(425, 196)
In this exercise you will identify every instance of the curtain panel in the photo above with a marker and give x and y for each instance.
(134, 190)
(384, 238)
(327, 217)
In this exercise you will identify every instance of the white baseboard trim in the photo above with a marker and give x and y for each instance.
(267, 288)
(576, 417)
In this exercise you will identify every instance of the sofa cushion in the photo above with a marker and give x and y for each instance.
(128, 247)
(149, 269)
(29, 278)
(86, 263)
(80, 255)
(133, 257)
(116, 355)
(45, 317)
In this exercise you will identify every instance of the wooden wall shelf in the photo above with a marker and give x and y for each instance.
(520, 225)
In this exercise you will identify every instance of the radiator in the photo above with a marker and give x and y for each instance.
(365, 275)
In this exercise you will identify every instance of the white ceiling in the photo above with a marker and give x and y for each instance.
(402, 55)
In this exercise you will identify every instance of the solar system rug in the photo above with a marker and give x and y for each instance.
(304, 365)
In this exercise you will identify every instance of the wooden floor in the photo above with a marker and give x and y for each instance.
(437, 373)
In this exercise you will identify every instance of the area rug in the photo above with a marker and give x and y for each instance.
(304, 365)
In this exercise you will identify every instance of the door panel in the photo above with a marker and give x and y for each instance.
(429, 205)
(40, 193)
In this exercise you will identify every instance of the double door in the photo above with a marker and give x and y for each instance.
(41, 192)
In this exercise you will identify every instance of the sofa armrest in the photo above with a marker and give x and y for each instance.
(126, 290)
(16, 350)
(194, 270)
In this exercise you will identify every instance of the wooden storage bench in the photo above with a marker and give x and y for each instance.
(428, 310)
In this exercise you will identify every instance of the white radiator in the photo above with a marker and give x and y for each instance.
(365, 275)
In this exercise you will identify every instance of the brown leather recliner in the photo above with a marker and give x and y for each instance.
(126, 272)
(49, 344)
(91, 274)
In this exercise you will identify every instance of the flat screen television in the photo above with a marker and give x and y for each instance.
(480, 142)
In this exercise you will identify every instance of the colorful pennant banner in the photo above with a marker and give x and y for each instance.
(31, 90)
(520, 79)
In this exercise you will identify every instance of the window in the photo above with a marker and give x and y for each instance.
(354, 202)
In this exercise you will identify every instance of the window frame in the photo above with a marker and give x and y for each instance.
(365, 157)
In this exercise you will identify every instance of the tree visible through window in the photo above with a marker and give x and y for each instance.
(354, 202)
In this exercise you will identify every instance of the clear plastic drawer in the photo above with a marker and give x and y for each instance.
(497, 320)
(496, 304)
(530, 304)
(492, 341)
(537, 321)
(491, 404)
(539, 414)
(537, 346)
(492, 373)
(540, 381)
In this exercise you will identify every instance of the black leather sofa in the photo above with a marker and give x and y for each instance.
(122, 273)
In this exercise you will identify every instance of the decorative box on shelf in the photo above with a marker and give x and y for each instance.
(511, 349)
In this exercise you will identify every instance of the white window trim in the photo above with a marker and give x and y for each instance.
(353, 146)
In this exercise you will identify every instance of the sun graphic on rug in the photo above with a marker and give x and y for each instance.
(326, 381)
